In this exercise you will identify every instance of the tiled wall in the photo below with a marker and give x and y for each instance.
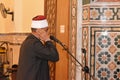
(101, 31)
(105, 53)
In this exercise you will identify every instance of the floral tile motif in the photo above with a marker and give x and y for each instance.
(95, 14)
(98, 14)
(103, 74)
(117, 58)
(117, 41)
(104, 57)
(104, 41)
(105, 53)
(102, 13)
(117, 74)
(108, 58)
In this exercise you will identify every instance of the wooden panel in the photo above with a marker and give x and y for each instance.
(58, 15)
(62, 23)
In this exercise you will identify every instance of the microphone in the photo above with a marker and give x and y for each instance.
(55, 39)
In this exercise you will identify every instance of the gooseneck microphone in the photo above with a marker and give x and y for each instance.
(84, 68)
(55, 39)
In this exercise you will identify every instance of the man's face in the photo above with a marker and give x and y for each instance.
(45, 29)
(42, 30)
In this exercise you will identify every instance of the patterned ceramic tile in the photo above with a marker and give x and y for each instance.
(72, 37)
(105, 54)
(112, 66)
(101, 14)
(112, 49)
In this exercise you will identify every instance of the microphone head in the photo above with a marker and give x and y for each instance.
(52, 37)
(55, 39)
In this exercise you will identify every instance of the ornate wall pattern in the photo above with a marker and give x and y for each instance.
(98, 14)
(105, 52)
(50, 12)
(73, 27)
(85, 39)
(103, 24)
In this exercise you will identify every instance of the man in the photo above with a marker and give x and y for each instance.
(36, 51)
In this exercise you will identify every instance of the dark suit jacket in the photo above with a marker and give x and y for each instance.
(33, 59)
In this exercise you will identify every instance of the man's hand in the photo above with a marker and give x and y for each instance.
(43, 35)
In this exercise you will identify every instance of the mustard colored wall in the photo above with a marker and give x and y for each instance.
(24, 10)
(6, 24)
(31, 8)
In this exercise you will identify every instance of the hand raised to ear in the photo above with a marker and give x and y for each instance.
(43, 35)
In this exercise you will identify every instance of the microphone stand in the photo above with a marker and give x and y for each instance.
(84, 52)
(84, 68)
